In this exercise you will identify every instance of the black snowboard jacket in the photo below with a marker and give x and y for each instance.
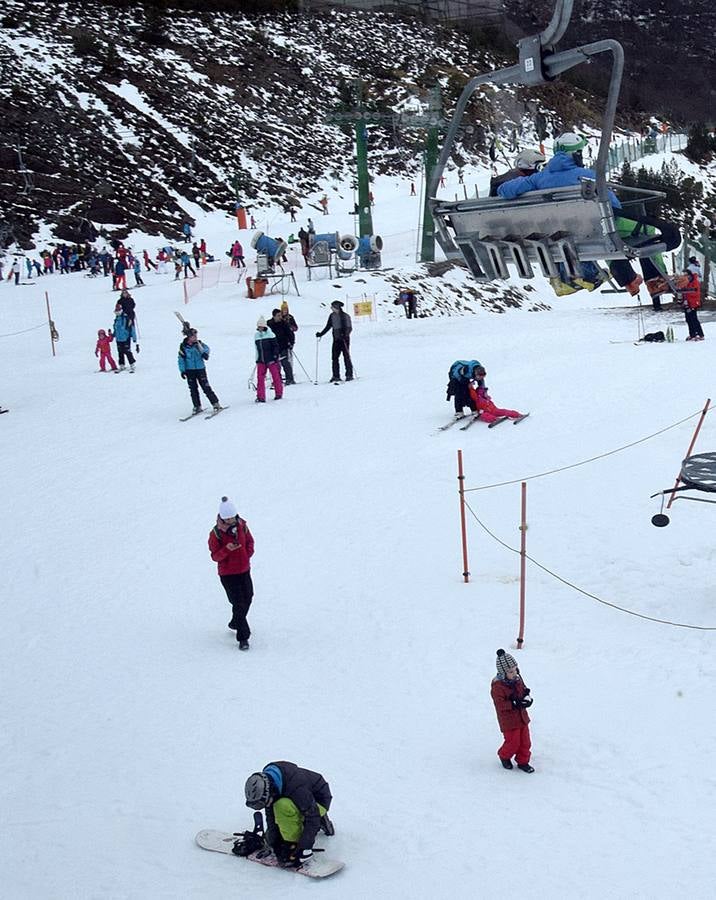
(306, 789)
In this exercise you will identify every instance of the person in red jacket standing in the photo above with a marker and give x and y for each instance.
(512, 698)
(231, 545)
(691, 301)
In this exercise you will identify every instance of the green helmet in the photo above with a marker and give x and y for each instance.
(570, 143)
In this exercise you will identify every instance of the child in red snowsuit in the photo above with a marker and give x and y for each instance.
(103, 350)
(486, 409)
(512, 699)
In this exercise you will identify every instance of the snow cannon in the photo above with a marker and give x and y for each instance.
(343, 245)
(274, 250)
(368, 251)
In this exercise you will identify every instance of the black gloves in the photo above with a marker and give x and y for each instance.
(318, 334)
(183, 375)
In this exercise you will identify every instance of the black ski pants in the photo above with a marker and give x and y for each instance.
(124, 349)
(197, 378)
(340, 346)
(285, 358)
(692, 320)
(239, 591)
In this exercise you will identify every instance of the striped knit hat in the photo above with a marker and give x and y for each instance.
(504, 662)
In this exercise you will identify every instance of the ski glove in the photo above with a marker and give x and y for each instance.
(136, 348)
(183, 375)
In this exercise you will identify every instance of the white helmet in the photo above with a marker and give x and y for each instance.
(530, 159)
(570, 143)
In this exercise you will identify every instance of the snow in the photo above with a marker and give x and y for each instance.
(130, 720)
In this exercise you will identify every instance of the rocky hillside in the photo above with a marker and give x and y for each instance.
(112, 120)
(670, 66)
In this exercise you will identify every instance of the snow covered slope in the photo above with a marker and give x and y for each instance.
(129, 720)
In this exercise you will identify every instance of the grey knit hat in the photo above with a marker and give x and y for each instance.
(504, 662)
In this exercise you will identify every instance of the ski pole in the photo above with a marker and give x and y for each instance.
(293, 356)
(318, 341)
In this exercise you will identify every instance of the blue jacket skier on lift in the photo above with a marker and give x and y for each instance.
(565, 169)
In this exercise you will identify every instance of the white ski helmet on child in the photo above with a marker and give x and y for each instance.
(570, 143)
(530, 159)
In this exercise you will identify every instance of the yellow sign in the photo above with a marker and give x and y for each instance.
(363, 308)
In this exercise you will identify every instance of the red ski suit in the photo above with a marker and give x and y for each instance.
(514, 723)
(486, 408)
(104, 351)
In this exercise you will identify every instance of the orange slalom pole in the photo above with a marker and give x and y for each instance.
(523, 561)
(49, 322)
(691, 447)
(461, 491)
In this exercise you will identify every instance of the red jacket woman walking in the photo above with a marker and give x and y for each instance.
(231, 545)
(512, 699)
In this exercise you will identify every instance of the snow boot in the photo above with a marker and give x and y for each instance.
(131, 367)
(197, 410)
(243, 645)
(561, 288)
(506, 763)
(525, 767)
(327, 826)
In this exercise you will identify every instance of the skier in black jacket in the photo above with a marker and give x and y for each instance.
(296, 801)
(340, 323)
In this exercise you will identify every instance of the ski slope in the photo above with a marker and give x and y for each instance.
(129, 720)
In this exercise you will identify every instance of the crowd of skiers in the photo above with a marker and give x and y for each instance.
(117, 262)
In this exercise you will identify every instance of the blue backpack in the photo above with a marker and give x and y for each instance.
(462, 369)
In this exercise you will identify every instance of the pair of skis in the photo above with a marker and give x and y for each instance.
(472, 419)
(214, 412)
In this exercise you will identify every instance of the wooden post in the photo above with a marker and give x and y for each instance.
(461, 490)
(691, 447)
(50, 323)
(523, 560)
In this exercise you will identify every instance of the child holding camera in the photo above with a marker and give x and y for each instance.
(512, 699)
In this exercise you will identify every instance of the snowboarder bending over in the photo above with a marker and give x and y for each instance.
(191, 359)
(512, 699)
(296, 801)
(460, 374)
(484, 405)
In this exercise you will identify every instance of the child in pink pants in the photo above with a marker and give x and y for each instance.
(103, 350)
(484, 404)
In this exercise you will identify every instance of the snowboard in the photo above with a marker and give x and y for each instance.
(222, 842)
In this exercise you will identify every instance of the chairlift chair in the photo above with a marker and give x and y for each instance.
(698, 473)
(565, 225)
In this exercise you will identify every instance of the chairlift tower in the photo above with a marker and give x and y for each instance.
(360, 118)
(430, 118)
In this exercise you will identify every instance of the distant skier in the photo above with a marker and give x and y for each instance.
(340, 324)
(119, 281)
(104, 351)
(137, 269)
(15, 271)
(124, 334)
(231, 546)
(527, 163)
(148, 262)
(512, 700)
(267, 359)
(285, 338)
(191, 359)
(324, 204)
(484, 405)
(296, 801)
(691, 301)
(186, 231)
(460, 374)
(186, 264)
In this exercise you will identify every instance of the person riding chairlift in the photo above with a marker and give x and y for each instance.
(566, 169)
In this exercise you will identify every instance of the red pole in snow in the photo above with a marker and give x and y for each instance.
(461, 485)
(691, 447)
(523, 560)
